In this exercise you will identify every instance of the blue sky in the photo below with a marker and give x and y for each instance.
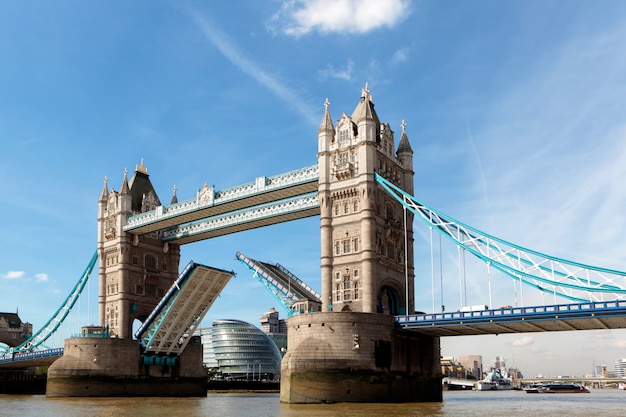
(515, 112)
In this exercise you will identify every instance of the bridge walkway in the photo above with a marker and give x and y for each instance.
(210, 204)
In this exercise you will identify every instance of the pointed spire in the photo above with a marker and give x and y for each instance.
(174, 197)
(365, 108)
(404, 145)
(141, 168)
(105, 190)
(327, 123)
(124, 189)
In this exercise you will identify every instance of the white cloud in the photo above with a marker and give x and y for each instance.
(620, 344)
(13, 275)
(41, 277)
(400, 56)
(331, 72)
(523, 341)
(299, 17)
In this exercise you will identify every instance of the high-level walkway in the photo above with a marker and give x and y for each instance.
(266, 201)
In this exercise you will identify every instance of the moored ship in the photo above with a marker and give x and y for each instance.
(498, 378)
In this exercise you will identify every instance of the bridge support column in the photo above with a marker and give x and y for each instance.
(93, 367)
(357, 357)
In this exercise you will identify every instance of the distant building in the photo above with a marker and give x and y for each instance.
(275, 328)
(473, 364)
(238, 351)
(13, 331)
(620, 368)
(452, 368)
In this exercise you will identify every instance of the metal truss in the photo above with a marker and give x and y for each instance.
(281, 283)
(246, 219)
(571, 280)
(35, 342)
(168, 329)
(278, 186)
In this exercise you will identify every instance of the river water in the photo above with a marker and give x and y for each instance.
(606, 403)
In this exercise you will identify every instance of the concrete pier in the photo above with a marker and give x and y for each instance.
(357, 357)
(94, 367)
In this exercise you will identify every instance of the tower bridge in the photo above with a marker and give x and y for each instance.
(359, 339)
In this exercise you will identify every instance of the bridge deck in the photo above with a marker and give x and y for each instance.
(209, 204)
(284, 284)
(184, 306)
(552, 318)
(22, 360)
(259, 216)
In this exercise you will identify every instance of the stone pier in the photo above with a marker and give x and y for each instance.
(357, 357)
(104, 367)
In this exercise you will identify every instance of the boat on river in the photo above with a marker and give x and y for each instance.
(557, 388)
(498, 378)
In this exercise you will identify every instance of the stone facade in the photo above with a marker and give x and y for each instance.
(105, 367)
(357, 357)
(135, 271)
(366, 252)
(13, 331)
(352, 351)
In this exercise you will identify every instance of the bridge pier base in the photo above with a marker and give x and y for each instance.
(103, 367)
(358, 357)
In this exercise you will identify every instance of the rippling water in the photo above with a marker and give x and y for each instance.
(606, 403)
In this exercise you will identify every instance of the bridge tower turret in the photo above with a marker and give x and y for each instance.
(135, 271)
(366, 256)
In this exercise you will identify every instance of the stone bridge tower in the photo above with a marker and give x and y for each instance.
(135, 271)
(366, 250)
(352, 351)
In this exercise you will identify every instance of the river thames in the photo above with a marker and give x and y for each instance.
(606, 403)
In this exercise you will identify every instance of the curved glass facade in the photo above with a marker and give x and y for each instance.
(242, 351)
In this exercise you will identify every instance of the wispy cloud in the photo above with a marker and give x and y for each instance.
(13, 275)
(619, 344)
(41, 277)
(238, 58)
(400, 56)
(523, 341)
(331, 72)
(299, 17)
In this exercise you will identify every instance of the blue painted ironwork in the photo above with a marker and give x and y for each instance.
(285, 291)
(571, 280)
(168, 329)
(208, 197)
(38, 338)
(30, 355)
(160, 308)
(498, 319)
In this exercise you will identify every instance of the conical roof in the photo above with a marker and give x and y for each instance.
(365, 108)
(141, 185)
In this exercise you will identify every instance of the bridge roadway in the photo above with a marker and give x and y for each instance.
(550, 318)
(30, 359)
(266, 201)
